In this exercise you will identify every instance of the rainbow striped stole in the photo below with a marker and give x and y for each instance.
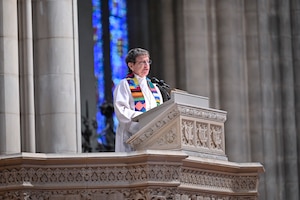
(138, 97)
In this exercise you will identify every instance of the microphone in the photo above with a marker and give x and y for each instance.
(154, 80)
(164, 83)
(160, 82)
(163, 87)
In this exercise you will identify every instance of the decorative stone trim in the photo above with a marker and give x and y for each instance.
(195, 130)
(202, 136)
(100, 176)
(218, 181)
(141, 175)
(147, 133)
(155, 193)
(203, 113)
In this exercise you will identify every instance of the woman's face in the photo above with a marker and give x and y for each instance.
(141, 66)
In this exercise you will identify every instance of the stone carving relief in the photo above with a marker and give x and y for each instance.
(198, 131)
(155, 193)
(99, 175)
(199, 134)
(217, 181)
(169, 138)
(71, 183)
(202, 134)
(149, 132)
(216, 137)
(187, 128)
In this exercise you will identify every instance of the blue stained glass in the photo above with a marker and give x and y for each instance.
(118, 51)
(98, 63)
(119, 40)
(118, 8)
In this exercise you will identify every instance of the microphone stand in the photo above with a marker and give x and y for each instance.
(163, 87)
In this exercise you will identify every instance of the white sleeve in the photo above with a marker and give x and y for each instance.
(124, 104)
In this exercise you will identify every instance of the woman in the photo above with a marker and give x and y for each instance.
(134, 95)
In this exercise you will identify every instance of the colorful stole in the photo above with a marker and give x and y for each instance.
(138, 97)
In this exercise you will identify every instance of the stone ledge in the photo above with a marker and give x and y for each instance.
(148, 173)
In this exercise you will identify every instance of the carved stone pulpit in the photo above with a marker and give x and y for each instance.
(184, 123)
(180, 155)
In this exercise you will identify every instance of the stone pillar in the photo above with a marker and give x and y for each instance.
(295, 9)
(287, 92)
(26, 76)
(169, 48)
(271, 124)
(254, 85)
(57, 76)
(232, 77)
(10, 141)
(214, 87)
(196, 46)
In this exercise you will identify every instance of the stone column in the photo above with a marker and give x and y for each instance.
(9, 79)
(254, 84)
(271, 124)
(26, 76)
(195, 27)
(295, 9)
(287, 92)
(233, 77)
(169, 48)
(57, 76)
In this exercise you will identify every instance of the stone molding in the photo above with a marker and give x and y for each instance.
(138, 175)
(203, 113)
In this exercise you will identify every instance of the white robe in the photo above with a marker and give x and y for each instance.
(125, 111)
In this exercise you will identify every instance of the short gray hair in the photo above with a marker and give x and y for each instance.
(133, 53)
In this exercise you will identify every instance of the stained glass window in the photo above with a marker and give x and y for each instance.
(119, 40)
(118, 49)
(98, 61)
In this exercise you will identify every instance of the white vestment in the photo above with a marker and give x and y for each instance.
(125, 111)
